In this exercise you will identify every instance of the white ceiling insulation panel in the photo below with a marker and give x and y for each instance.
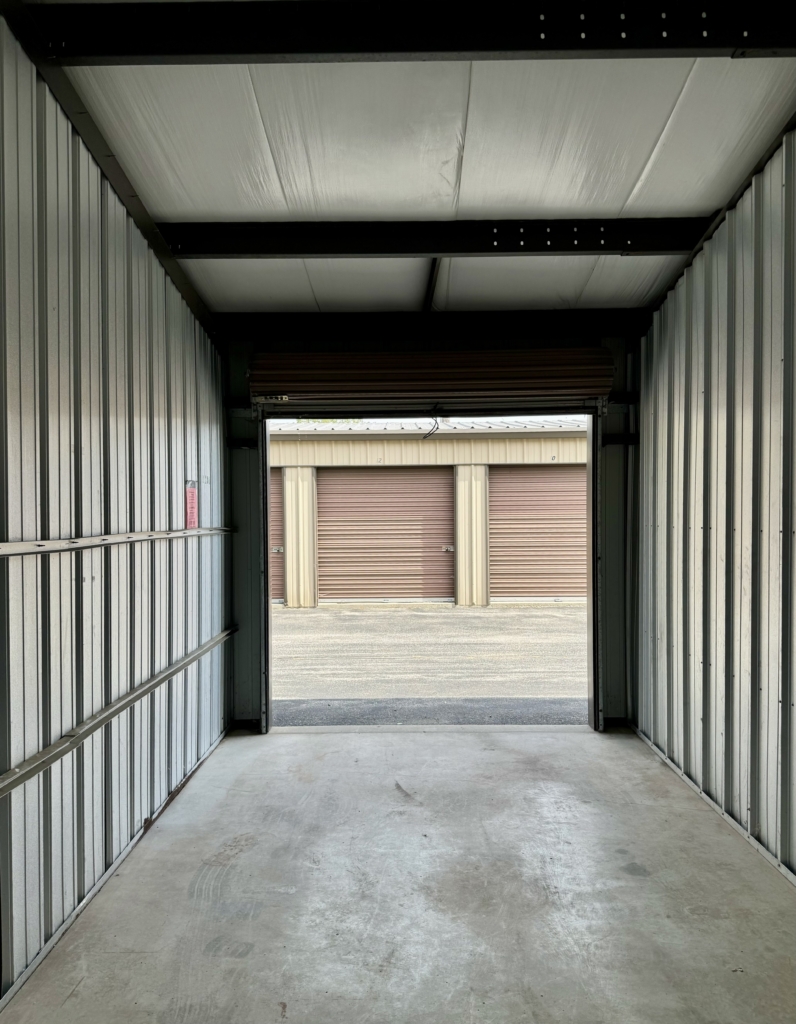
(552, 282)
(365, 141)
(625, 281)
(368, 284)
(277, 142)
(512, 282)
(189, 138)
(439, 140)
(329, 286)
(563, 138)
(726, 116)
(253, 286)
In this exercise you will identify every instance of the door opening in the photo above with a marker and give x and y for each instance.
(429, 570)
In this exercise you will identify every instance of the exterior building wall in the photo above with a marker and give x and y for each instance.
(414, 451)
(471, 512)
(471, 503)
(301, 536)
(110, 400)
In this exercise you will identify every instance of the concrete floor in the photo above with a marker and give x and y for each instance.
(409, 876)
(372, 651)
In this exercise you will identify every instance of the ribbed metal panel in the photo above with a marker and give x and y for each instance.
(109, 402)
(377, 451)
(277, 528)
(537, 531)
(385, 533)
(716, 629)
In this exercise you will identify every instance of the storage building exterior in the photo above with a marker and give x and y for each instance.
(389, 509)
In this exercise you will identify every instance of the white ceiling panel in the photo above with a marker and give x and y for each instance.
(368, 284)
(624, 281)
(329, 286)
(276, 142)
(190, 139)
(726, 116)
(439, 140)
(512, 282)
(552, 282)
(365, 141)
(253, 286)
(563, 138)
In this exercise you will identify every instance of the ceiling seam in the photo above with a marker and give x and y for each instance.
(309, 282)
(445, 274)
(658, 141)
(267, 139)
(586, 283)
(460, 167)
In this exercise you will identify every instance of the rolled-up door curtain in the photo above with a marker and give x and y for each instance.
(299, 383)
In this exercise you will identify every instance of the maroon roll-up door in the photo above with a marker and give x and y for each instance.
(277, 532)
(385, 533)
(537, 531)
(402, 379)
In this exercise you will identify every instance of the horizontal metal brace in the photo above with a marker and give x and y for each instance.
(282, 31)
(31, 767)
(47, 547)
(631, 236)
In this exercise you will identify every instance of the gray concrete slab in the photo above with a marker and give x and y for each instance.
(434, 711)
(445, 875)
(347, 651)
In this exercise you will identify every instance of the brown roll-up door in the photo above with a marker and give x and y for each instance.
(277, 532)
(385, 533)
(290, 384)
(537, 531)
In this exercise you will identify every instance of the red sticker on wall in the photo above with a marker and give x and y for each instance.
(191, 505)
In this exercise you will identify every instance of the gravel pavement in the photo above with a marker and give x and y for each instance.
(383, 652)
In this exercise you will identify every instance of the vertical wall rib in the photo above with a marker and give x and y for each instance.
(716, 628)
(109, 402)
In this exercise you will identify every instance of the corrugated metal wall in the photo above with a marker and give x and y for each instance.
(109, 402)
(716, 628)
(431, 451)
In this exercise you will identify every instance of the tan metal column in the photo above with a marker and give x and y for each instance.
(301, 537)
(472, 535)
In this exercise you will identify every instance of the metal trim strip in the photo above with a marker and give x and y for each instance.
(46, 547)
(32, 766)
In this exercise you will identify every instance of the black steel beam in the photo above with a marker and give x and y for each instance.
(284, 31)
(352, 332)
(647, 236)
